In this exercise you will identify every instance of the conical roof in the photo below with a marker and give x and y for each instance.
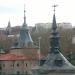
(54, 25)
(25, 39)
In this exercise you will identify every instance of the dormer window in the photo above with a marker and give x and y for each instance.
(58, 62)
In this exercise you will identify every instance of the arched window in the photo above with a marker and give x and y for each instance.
(17, 64)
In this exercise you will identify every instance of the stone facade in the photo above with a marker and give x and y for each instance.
(16, 67)
(17, 64)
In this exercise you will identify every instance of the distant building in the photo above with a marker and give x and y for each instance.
(65, 25)
(41, 26)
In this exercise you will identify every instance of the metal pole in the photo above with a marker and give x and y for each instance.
(39, 49)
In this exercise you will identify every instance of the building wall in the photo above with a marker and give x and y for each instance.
(24, 51)
(63, 25)
(17, 67)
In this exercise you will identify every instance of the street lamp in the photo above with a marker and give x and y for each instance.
(39, 39)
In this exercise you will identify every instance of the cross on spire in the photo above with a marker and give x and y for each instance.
(54, 7)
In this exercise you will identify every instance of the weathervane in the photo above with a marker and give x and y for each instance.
(54, 7)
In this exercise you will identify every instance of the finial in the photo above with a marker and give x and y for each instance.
(24, 9)
(54, 7)
(24, 15)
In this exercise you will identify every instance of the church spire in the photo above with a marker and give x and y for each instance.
(55, 37)
(9, 24)
(25, 37)
(54, 25)
(8, 29)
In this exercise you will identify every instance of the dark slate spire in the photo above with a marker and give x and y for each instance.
(9, 25)
(54, 36)
(54, 25)
(8, 29)
(25, 38)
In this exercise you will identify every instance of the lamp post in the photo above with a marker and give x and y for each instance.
(39, 39)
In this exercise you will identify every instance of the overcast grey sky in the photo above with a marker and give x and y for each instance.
(36, 11)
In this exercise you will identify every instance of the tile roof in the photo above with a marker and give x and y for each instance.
(11, 57)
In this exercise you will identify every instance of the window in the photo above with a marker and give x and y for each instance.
(26, 72)
(58, 62)
(0, 72)
(12, 65)
(17, 64)
(42, 62)
(26, 64)
(18, 72)
(0, 67)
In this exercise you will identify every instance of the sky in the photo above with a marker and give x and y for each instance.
(37, 11)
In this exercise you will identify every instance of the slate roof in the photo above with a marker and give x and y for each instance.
(25, 37)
